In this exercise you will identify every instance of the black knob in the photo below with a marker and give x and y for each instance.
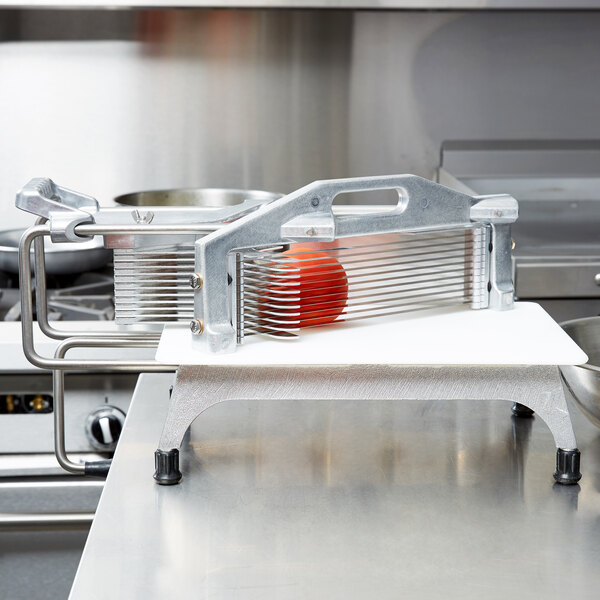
(103, 427)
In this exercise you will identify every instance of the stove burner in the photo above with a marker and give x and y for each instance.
(86, 297)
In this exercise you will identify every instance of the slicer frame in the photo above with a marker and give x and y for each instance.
(308, 215)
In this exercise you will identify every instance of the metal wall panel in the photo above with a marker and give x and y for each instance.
(115, 101)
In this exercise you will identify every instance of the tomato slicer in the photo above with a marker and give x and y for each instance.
(435, 247)
(301, 297)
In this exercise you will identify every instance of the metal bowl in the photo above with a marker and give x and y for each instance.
(584, 381)
(61, 259)
(207, 197)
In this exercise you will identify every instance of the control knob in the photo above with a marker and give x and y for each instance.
(103, 427)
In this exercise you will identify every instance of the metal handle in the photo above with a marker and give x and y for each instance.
(418, 202)
(46, 521)
(63, 207)
(42, 197)
(67, 211)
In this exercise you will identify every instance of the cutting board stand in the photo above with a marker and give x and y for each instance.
(531, 388)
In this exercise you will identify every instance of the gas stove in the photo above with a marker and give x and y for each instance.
(85, 297)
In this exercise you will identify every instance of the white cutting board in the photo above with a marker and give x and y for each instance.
(526, 335)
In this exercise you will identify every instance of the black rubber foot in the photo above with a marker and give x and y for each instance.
(567, 466)
(520, 410)
(167, 467)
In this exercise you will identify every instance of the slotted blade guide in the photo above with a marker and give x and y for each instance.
(152, 285)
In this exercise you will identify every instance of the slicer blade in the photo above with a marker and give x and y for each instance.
(277, 294)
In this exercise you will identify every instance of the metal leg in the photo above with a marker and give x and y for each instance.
(194, 391)
(199, 387)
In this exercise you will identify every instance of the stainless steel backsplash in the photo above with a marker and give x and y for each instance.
(110, 102)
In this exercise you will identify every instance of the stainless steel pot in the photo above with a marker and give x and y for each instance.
(584, 381)
(61, 259)
(209, 197)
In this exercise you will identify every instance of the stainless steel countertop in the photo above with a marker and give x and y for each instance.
(342, 500)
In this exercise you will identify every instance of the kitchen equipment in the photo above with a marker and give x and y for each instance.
(77, 297)
(61, 259)
(436, 248)
(583, 381)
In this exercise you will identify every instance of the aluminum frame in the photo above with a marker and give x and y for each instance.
(533, 387)
(307, 215)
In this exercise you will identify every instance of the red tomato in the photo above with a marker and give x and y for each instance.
(317, 289)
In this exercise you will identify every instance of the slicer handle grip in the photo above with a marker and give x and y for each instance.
(64, 208)
(420, 203)
(41, 196)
